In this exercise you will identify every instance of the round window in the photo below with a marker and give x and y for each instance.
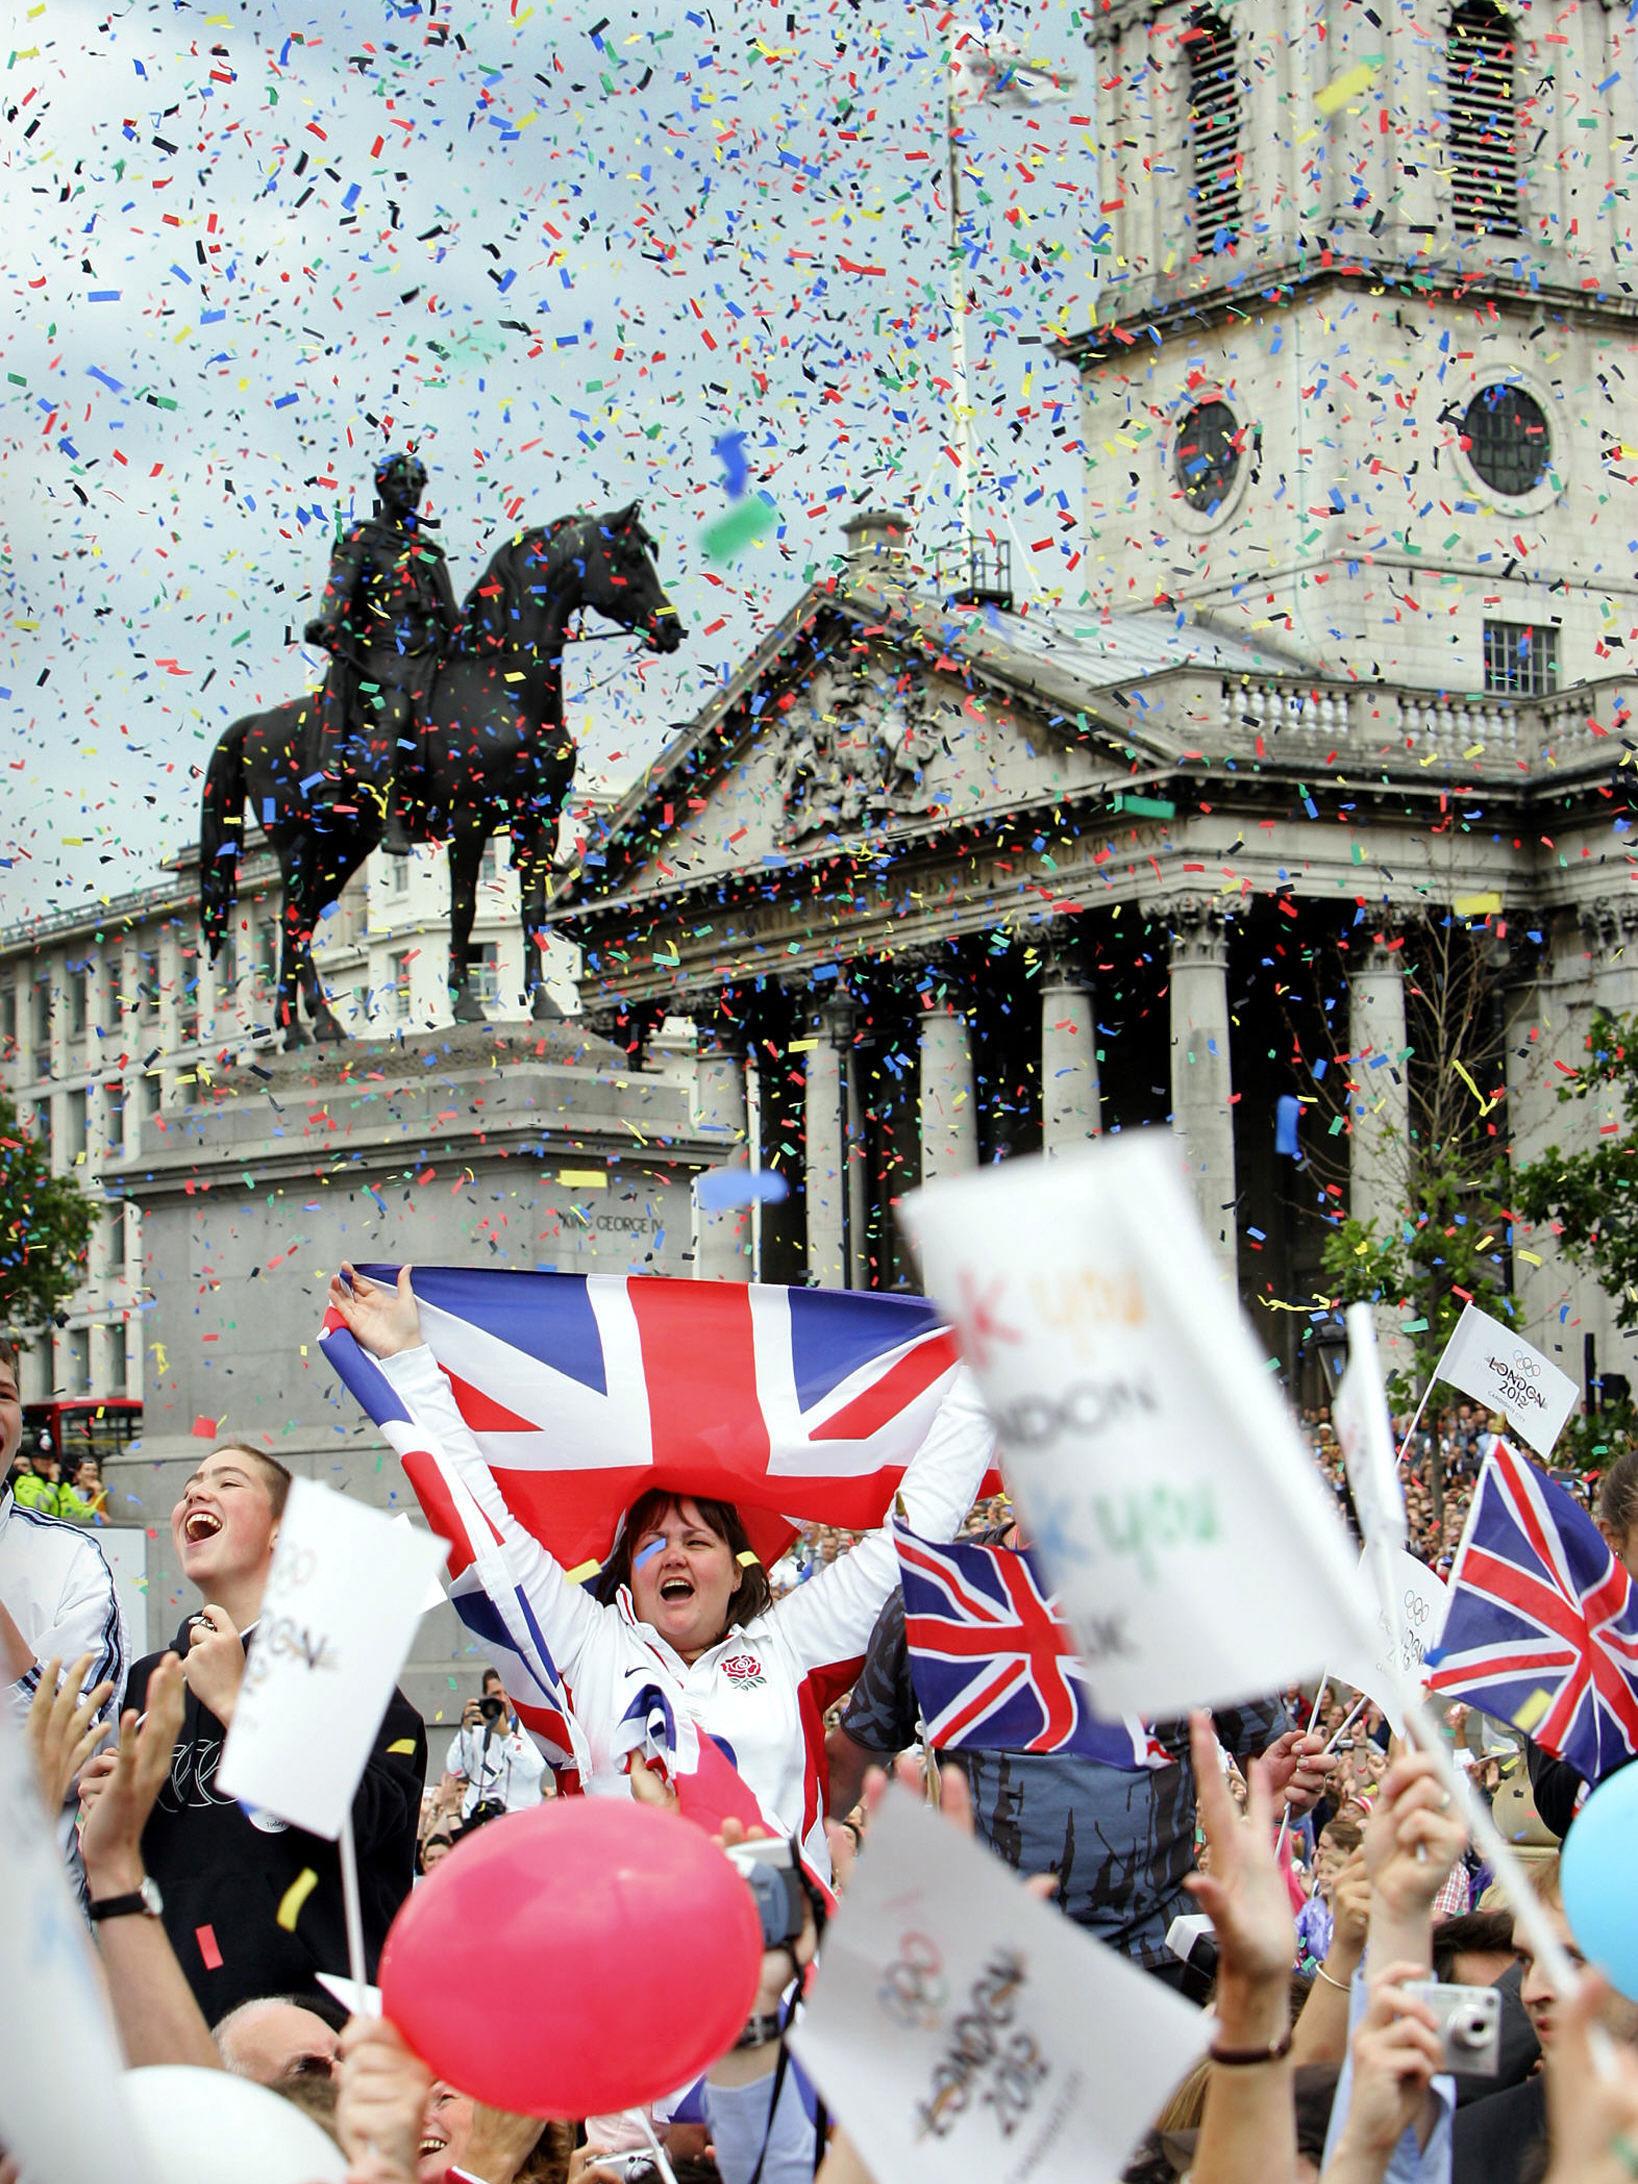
(1207, 455)
(1505, 435)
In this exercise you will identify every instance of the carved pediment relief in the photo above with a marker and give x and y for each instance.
(858, 753)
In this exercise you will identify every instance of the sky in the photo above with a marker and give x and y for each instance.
(571, 252)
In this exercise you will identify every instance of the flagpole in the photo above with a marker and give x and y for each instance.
(1410, 1430)
(960, 397)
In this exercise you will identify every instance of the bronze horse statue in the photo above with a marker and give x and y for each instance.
(493, 756)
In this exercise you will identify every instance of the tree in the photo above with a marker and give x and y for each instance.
(45, 1228)
(1589, 1200)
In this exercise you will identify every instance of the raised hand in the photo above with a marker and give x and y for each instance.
(215, 1666)
(1592, 2104)
(383, 1321)
(1299, 1768)
(1397, 2055)
(1244, 1894)
(62, 1728)
(1413, 1836)
(382, 2096)
(129, 1780)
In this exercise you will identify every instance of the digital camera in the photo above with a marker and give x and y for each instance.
(1469, 2025)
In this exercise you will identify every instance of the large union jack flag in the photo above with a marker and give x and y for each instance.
(1541, 1629)
(585, 1390)
(994, 1664)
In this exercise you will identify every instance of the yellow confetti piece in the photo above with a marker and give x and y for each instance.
(747, 1559)
(583, 1179)
(1530, 1713)
(1347, 86)
(404, 1744)
(294, 1897)
(1477, 906)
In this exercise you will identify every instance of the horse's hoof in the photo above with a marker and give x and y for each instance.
(544, 1010)
(468, 1009)
(327, 1031)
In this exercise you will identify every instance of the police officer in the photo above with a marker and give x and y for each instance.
(387, 613)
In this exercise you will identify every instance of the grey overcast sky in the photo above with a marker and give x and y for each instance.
(568, 250)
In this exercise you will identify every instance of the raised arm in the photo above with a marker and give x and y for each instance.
(508, 1557)
(830, 1618)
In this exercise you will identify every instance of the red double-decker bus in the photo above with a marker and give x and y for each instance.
(81, 1426)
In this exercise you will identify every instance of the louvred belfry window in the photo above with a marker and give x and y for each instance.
(1214, 132)
(1481, 59)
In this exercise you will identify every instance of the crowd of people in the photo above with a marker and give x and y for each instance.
(1335, 1875)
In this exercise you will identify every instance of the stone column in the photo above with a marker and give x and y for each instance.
(722, 1241)
(1378, 1087)
(826, 1164)
(1202, 1077)
(1071, 1095)
(949, 1111)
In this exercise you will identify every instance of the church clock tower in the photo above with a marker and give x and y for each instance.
(1363, 361)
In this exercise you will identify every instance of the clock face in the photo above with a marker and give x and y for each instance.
(1505, 436)
(1206, 456)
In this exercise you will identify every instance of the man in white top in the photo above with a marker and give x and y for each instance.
(58, 1599)
(494, 1756)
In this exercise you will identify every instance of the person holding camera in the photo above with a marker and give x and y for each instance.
(494, 1757)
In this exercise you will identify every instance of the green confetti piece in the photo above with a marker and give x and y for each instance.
(734, 531)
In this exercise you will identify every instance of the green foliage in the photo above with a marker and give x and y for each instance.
(45, 1228)
(1442, 1252)
(1591, 1198)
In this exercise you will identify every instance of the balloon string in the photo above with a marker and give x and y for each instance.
(666, 2169)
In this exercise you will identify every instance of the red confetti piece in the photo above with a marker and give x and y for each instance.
(208, 1951)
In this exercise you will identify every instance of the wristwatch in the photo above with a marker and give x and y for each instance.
(761, 2031)
(145, 1897)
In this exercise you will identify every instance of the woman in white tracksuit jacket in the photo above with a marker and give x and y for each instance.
(760, 1686)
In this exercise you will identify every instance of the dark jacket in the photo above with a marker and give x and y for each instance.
(225, 1876)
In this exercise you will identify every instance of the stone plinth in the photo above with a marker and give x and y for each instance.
(537, 1147)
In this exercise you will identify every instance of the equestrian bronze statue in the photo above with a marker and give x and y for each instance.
(463, 738)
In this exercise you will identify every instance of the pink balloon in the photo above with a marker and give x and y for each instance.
(588, 1956)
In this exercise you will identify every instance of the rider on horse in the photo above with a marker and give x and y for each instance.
(386, 617)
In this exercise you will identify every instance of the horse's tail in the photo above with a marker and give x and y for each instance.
(221, 833)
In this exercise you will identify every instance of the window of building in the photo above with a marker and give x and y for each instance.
(77, 1361)
(485, 962)
(399, 964)
(1480, 57)
(77, 1134)
(1206, 455)
(42, 1126)
(227, 970)
(40, 1023)
(8, 1018)
(153, 1094)
(1214, 131)
(1521, 658)
(398, 877)
(489, 870)
(1505, 438)
(77, 979)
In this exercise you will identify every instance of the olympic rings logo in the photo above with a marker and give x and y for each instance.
(913, 1990)
(1524, 1363)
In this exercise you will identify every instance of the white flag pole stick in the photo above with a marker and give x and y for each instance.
(1410, 1430)
(1313, 1716)
(350, 1905)
(666, 2169)
(1347, 1723)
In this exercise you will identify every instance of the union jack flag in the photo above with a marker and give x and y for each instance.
(993, 1662)
(582, 1391)
(585, 1390)
(1541, 1629)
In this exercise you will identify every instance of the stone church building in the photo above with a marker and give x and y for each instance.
(943, 875)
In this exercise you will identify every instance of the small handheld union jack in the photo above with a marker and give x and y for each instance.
(1542, 1630)
(994, 1664)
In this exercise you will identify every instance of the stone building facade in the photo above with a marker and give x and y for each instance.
(1342, 716)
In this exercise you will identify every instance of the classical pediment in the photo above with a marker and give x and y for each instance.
(870, 725)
